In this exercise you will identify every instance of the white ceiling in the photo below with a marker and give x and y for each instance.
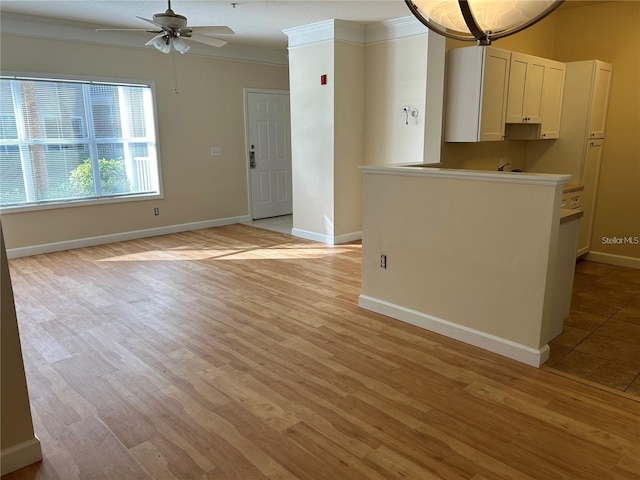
(256, 23)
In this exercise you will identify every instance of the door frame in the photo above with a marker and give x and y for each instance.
(245, 97)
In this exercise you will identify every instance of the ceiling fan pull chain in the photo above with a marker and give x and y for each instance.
(175, 73)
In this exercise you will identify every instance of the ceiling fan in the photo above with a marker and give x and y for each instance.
(171, 28)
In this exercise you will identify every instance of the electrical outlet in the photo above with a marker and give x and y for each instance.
(383, 261)
(156, 211)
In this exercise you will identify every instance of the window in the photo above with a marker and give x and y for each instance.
(69, 140)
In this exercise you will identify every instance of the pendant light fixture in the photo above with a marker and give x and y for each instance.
(480, 20)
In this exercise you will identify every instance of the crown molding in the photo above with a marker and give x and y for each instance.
(354, 32)
(41, 27)
(334, 29)
(395, 28)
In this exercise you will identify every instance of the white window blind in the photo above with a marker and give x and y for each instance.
(67, 140)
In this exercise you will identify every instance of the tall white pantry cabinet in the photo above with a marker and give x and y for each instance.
(578, 150)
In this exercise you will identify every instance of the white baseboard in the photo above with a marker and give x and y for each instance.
(486, 341)
(328, 239)
(20, 456)
(347, 237)
(316, 237)
(612, 259)
(120, 237)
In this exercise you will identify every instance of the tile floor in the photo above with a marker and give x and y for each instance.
(601, 338)
(282, 224)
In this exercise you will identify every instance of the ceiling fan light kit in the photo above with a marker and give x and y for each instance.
(180, 45)
(164, 43)
(171, 29)
(161, 43)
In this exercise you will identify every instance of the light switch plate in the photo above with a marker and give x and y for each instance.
(216, 151)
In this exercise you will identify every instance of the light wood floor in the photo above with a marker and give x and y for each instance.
(238, 353)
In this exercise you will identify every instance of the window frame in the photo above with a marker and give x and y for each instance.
(105, 199)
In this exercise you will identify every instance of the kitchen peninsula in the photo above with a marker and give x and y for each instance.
(484, 257)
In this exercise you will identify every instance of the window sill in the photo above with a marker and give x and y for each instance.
(78, 203)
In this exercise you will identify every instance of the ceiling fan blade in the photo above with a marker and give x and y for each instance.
(212, 30)
(127, 30)
(151, 22)
(214, 42)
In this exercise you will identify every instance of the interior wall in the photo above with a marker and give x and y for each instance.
(370, 82)
(208, 111)
(312, 137)
(349, 136)
(608, 31)
(16, 425)
(395, 76)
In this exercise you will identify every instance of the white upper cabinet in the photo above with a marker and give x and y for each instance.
(477, 84)
(551, 108)
(552, 94)
(600, 99)
(488, 88)
(524, 102)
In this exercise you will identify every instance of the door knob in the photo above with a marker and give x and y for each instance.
(252, 157)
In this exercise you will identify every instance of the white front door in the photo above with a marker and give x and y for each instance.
(269, 154)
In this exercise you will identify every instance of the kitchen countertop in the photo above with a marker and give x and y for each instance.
(572, 187)
(462, 173)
